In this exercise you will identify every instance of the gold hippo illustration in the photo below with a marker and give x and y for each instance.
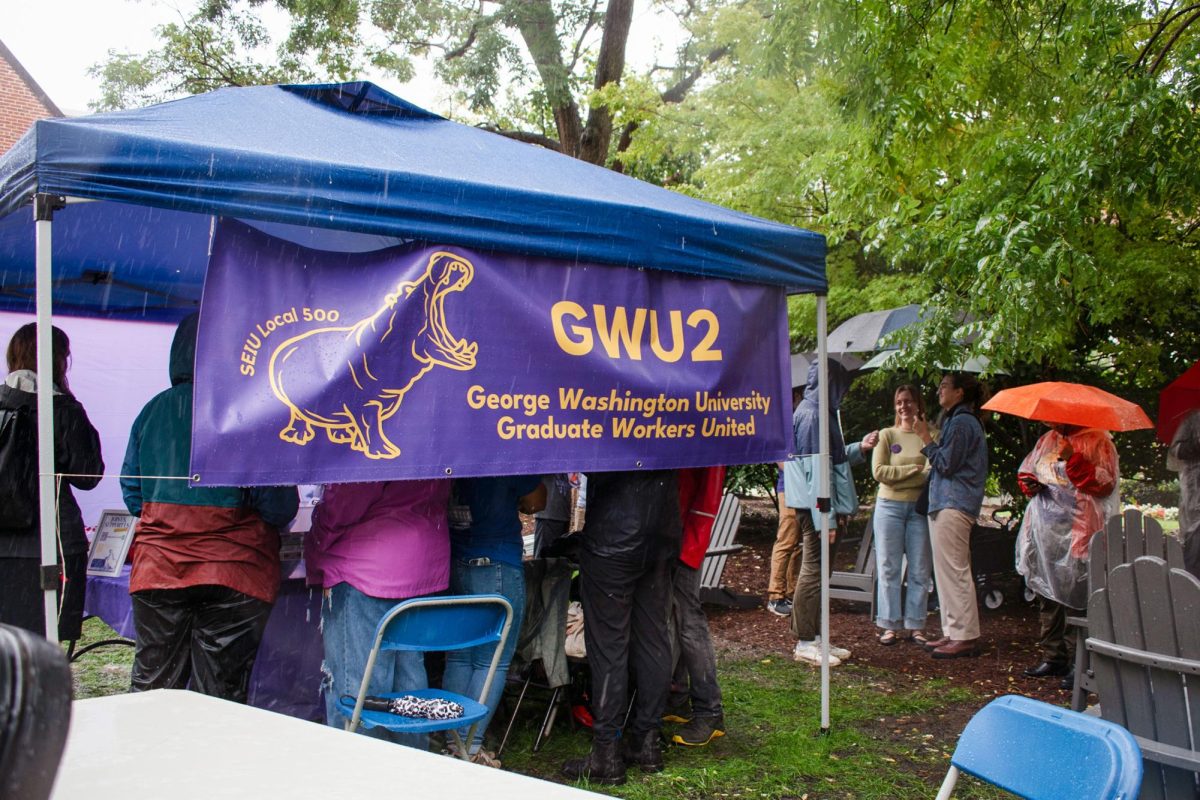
(352, 378)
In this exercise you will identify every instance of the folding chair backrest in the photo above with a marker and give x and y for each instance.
(452, 622)
(1036, 750)
(729, 516)
(1126, 537)
(1144, 638)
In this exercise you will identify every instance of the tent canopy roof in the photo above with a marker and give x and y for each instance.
(341, 157)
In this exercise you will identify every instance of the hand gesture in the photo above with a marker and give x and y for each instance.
(921, 428)
(870, 440)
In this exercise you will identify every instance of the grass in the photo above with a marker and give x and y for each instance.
(884, 742)
(878, 745)
(102, 671)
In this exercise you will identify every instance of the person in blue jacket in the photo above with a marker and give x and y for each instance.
(801, 487)
(959, 465)
(486, 558)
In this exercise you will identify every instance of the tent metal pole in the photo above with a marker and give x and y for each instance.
(44, 207)
(823, 495)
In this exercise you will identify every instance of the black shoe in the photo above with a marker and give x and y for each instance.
(700, 731)
(644, 751)
(1048, 669)
(602, 765)
(1068, 682)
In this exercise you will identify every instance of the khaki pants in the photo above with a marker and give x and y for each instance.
(950, 534)
(785, 555)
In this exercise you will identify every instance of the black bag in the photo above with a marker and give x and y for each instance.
(18, 469)
(922, 505)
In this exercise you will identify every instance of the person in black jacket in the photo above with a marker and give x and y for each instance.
(77, 458)
(630, 541)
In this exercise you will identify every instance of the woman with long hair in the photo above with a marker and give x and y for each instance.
(77, 463)
(959, 469)
(901, 532)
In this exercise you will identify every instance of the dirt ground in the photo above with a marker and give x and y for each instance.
(1009, 634)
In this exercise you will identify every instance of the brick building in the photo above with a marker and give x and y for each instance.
(22, 101)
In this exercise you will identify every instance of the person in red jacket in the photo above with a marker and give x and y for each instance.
(695, 677)
(1071, 478)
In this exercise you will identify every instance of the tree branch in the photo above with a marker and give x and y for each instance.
(1174, 38)
(529, 137)
(578, 49)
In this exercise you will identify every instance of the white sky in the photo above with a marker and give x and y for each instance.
(56, 41)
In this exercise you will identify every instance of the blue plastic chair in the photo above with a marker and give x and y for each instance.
(1044, 752)
(455, 622)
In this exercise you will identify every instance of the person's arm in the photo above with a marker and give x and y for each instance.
(533, 502)
(131, 469)
(277, 505)
(1097, 478)
(947, 455)
(78, 451)
(883, 469)
(856, 453)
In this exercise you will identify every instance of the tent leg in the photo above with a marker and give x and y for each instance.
(44, 207)
(823, 494)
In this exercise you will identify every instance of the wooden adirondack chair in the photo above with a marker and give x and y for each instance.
(1144, 640)
(1125, 538)
(858, 585)
(720, 547)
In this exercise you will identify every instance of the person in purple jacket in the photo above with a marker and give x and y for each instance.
(371, 546)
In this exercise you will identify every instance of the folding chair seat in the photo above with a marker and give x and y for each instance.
(1044, 752)
(432, 624)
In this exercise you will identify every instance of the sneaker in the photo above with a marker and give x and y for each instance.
(810, 653)
(700, 731)
(780, 608)
(841, 652)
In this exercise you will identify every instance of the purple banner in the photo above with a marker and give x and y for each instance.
(435, 361)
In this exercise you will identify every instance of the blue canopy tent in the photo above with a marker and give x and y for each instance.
(335, 161)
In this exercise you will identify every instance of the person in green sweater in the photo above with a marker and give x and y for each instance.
(900, 531)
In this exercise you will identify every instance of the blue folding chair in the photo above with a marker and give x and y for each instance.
(455, 622)
(1044, 752)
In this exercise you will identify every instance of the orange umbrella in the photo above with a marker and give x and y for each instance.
(1072, 404)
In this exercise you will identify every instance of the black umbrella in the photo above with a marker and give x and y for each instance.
(864, 333)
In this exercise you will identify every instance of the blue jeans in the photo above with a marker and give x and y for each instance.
(348, 621)
(466, 670)
(900, 532)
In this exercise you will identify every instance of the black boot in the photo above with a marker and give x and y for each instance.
(602, 765)
(643, 750)
(700, 731)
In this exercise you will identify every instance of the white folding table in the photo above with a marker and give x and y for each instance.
(184, 745)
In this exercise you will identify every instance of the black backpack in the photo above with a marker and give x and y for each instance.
(18, 469)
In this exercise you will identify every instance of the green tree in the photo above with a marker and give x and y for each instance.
(1033, 163)
(1031, 166)
(555, 58)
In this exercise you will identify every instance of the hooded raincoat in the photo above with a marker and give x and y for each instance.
(1184, 458)
(801, 475)
(1070, 499)
(193, 536)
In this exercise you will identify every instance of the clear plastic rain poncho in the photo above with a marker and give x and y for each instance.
(1070, 500)
(1184, 458)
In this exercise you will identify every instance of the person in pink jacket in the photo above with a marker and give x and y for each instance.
(371, 546)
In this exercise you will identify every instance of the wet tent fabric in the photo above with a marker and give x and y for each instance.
(342, 157)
